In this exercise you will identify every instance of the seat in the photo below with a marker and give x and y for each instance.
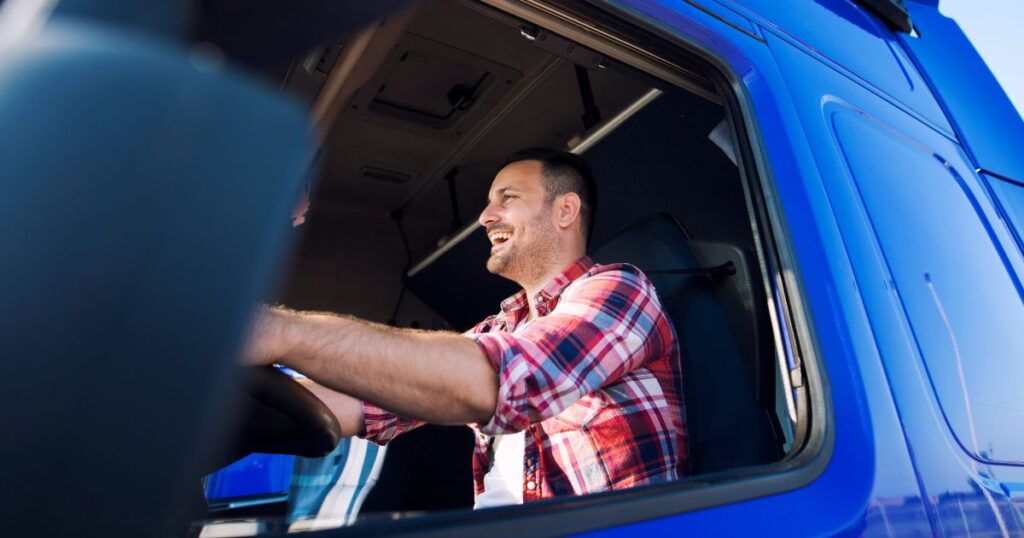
(727, 426)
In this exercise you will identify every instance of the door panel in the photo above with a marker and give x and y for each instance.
(961, 297)
(949, 476)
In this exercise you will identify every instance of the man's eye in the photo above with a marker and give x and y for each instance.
(507, 197)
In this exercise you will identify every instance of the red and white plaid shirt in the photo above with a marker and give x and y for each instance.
(594, 381)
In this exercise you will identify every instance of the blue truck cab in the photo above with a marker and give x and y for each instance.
(828, 195)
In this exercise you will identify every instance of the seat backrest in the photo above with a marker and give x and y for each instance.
(726, 425)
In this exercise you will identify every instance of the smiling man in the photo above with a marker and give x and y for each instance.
(573, 387)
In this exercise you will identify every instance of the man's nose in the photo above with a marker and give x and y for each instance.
(488, 216)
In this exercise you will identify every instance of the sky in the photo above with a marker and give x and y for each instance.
(995, 28)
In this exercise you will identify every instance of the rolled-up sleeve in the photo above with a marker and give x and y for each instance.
(383, 426)
(603, 327)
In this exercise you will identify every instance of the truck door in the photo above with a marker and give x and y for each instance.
(901, 128)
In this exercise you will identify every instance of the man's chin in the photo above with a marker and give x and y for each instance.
(495, 266)
(498, 265)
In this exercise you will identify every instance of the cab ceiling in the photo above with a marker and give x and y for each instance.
(454, 86)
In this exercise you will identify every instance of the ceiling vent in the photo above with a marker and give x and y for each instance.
(430, 84)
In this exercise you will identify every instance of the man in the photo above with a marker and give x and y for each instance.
(573, 388)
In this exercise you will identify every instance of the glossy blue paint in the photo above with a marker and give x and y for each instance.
(1010, 196)
(987, 123)
(251, 476)
(876, 190)
(852, 41)
(910, 238)
(938, 246)
(866, 486)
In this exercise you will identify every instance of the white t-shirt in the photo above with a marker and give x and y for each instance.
(503, 484)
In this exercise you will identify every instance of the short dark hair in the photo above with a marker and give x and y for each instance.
(563, 172)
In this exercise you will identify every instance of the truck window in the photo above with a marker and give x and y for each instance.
(414, 132)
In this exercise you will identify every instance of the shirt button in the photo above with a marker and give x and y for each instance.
(531, 485)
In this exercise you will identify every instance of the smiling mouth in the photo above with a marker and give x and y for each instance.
(498, 238)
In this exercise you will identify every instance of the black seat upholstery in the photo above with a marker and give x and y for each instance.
(727, 426)
(429, 468)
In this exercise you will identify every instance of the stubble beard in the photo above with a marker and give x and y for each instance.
(525, 263)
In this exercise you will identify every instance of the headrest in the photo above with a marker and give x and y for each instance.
(658, 241)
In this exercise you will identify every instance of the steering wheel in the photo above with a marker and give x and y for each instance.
(278, 415)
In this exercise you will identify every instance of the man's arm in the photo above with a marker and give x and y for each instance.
(433, 376)
(348, 410)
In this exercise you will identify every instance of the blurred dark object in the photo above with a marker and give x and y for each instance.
(143, 203)
(261, 33)
(255, 33)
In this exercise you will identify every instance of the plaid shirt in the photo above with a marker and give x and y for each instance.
(594, 381)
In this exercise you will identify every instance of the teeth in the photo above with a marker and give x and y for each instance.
(499, 237)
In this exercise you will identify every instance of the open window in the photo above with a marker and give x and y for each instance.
(417, 114)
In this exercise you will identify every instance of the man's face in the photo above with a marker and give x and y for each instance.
(519, 223)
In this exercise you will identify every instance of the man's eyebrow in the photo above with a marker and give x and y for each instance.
(503, 190)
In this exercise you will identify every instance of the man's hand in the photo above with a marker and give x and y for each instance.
(265, 345)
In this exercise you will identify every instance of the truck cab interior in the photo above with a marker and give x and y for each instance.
(415, 115)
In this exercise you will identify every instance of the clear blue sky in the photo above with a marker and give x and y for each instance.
(996, 27)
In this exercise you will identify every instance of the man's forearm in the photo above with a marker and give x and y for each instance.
(437, 377)
(346, 409)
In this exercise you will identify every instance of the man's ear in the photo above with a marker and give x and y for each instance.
(567, 209)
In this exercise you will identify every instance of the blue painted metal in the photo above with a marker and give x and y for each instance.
(1010, 199)
(987, 124)
(866, 168)
(854, 42)
(255, 475)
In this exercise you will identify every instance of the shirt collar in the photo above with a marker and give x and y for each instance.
(552, 290)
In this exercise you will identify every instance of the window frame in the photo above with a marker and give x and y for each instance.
(674, 60)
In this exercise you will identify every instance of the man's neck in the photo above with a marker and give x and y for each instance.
(533, 288)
